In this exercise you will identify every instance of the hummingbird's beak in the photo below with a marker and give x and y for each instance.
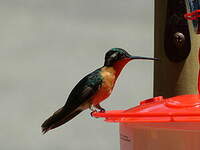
(140, 57)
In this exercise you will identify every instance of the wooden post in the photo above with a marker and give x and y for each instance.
(173, 78)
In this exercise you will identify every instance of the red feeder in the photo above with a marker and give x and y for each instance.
(159, 124)
(194, 14)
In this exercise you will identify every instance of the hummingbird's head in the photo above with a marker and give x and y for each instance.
(118, 56)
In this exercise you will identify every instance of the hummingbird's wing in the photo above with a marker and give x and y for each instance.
(81, 93)
(84, 90)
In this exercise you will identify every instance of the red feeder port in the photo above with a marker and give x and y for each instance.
(194, 15)
(193, 9)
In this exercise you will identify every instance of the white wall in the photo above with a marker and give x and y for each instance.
(47, 46)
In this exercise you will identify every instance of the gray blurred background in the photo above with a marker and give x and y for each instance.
(47, 46)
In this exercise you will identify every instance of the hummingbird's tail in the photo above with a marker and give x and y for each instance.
(59, 117)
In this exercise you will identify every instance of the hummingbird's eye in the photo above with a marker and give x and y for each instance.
(115, 55)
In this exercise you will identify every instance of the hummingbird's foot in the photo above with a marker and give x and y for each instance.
(91, 114)
(102, 110)
(93, 110)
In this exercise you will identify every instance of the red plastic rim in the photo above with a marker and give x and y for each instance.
(193, 15)
(183, 108)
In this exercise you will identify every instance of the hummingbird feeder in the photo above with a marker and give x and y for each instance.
(158, 123)
(194, 14)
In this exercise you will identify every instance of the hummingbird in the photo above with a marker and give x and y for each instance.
(92, 89)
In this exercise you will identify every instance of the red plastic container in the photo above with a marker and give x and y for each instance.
(159, 124)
